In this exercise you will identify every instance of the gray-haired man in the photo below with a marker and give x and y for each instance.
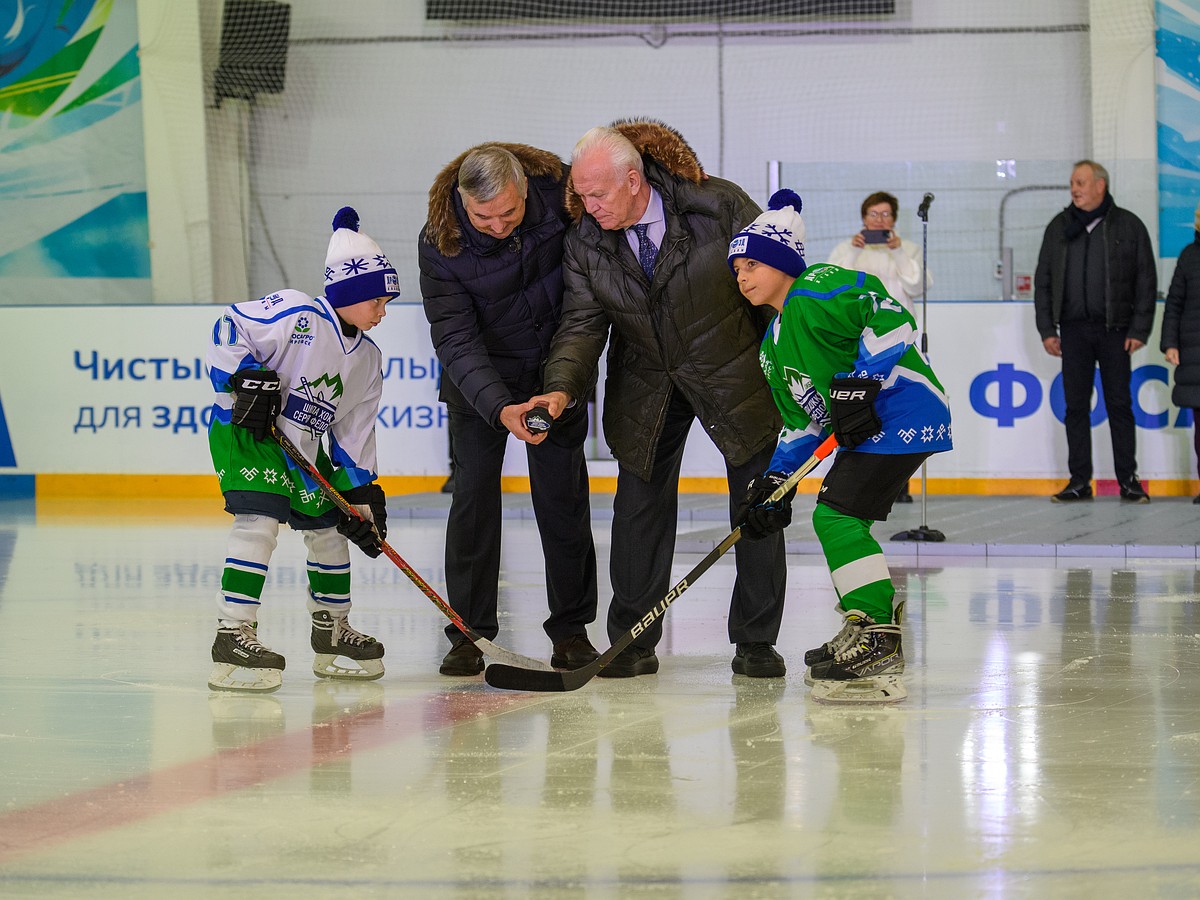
(490, 257)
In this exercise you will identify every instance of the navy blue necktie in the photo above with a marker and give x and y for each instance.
(647, 252)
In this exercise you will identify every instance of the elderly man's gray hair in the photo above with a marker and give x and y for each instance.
(489, 170)
(618, 148)
(1098, 171)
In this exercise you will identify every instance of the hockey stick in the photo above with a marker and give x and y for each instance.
(515, 678)
(347, 508)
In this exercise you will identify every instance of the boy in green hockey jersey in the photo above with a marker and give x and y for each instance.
(841, 356)
(305, 367)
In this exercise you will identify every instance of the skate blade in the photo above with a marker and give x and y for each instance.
(881, 689)
(326, 665)
(232, 677)
(810, 681)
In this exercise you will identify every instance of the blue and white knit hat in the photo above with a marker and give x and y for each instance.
(355, 267)
(776, 237)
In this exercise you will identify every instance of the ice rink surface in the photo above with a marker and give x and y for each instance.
(1049, 746)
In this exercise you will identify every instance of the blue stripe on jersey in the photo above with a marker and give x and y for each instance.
(358, 476)
(881, 363)
(859, 281)
(290, 311)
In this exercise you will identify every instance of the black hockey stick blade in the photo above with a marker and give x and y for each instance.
(495, 651)
(515, 678)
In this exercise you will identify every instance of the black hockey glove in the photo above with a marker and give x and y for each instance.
(369, 531)
(256, 400)
(852, 410)
(755, 516)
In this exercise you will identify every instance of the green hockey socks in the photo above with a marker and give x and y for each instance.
(856, 563)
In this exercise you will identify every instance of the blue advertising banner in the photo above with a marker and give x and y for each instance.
(1177, 39)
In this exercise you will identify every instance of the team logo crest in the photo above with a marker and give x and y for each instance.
(807, 397)
(313, 404)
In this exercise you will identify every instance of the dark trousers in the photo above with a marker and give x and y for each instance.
(558, 483)
(645, 521)
(1196, 436)
(1084, 346)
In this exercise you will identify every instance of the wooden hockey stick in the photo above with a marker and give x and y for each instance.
(515, 678)
(347, 508)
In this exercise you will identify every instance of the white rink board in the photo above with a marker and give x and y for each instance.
(54, 399)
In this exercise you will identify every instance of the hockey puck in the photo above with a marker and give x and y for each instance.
(537, 420)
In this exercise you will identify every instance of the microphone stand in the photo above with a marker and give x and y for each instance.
(923, 532)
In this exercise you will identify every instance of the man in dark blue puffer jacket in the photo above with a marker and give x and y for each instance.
(490, 257)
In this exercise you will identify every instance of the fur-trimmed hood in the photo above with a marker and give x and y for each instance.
(443, 229)
(654, 139)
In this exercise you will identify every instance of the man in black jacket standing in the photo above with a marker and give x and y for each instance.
(490, 257)
(646, 275)
(1094, 302)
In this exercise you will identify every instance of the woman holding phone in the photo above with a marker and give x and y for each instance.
(879, 250)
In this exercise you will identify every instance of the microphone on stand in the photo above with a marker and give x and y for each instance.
(923, 209)
(923, 532)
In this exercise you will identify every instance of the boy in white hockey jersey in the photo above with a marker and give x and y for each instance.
(304, 366)
(840, 356)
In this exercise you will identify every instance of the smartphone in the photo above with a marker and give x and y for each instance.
(876, 235)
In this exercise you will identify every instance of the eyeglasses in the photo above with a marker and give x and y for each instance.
(876, 214)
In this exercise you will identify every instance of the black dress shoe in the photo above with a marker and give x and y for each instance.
(1196, 499)
(630, 662)
(1133, 491)
(758, 659)
(1072, 492)
(904, 497)
(574, 652)
(464, 658)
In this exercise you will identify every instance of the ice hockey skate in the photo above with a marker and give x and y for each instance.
(242, 663)
(867, 672)
(852, 625)
(334, 638)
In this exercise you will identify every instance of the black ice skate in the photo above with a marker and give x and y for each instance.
(333, 637)
(867, 672)
(852, 626)
(242, 663)
(853, 622)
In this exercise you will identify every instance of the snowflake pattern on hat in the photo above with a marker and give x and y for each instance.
(776, 237)
(355, 268)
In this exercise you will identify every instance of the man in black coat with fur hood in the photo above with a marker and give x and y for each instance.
(490, 257)
(646, 274)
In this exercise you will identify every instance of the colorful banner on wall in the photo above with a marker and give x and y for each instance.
(73, 221)
(123, 391)
(1177, 76)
